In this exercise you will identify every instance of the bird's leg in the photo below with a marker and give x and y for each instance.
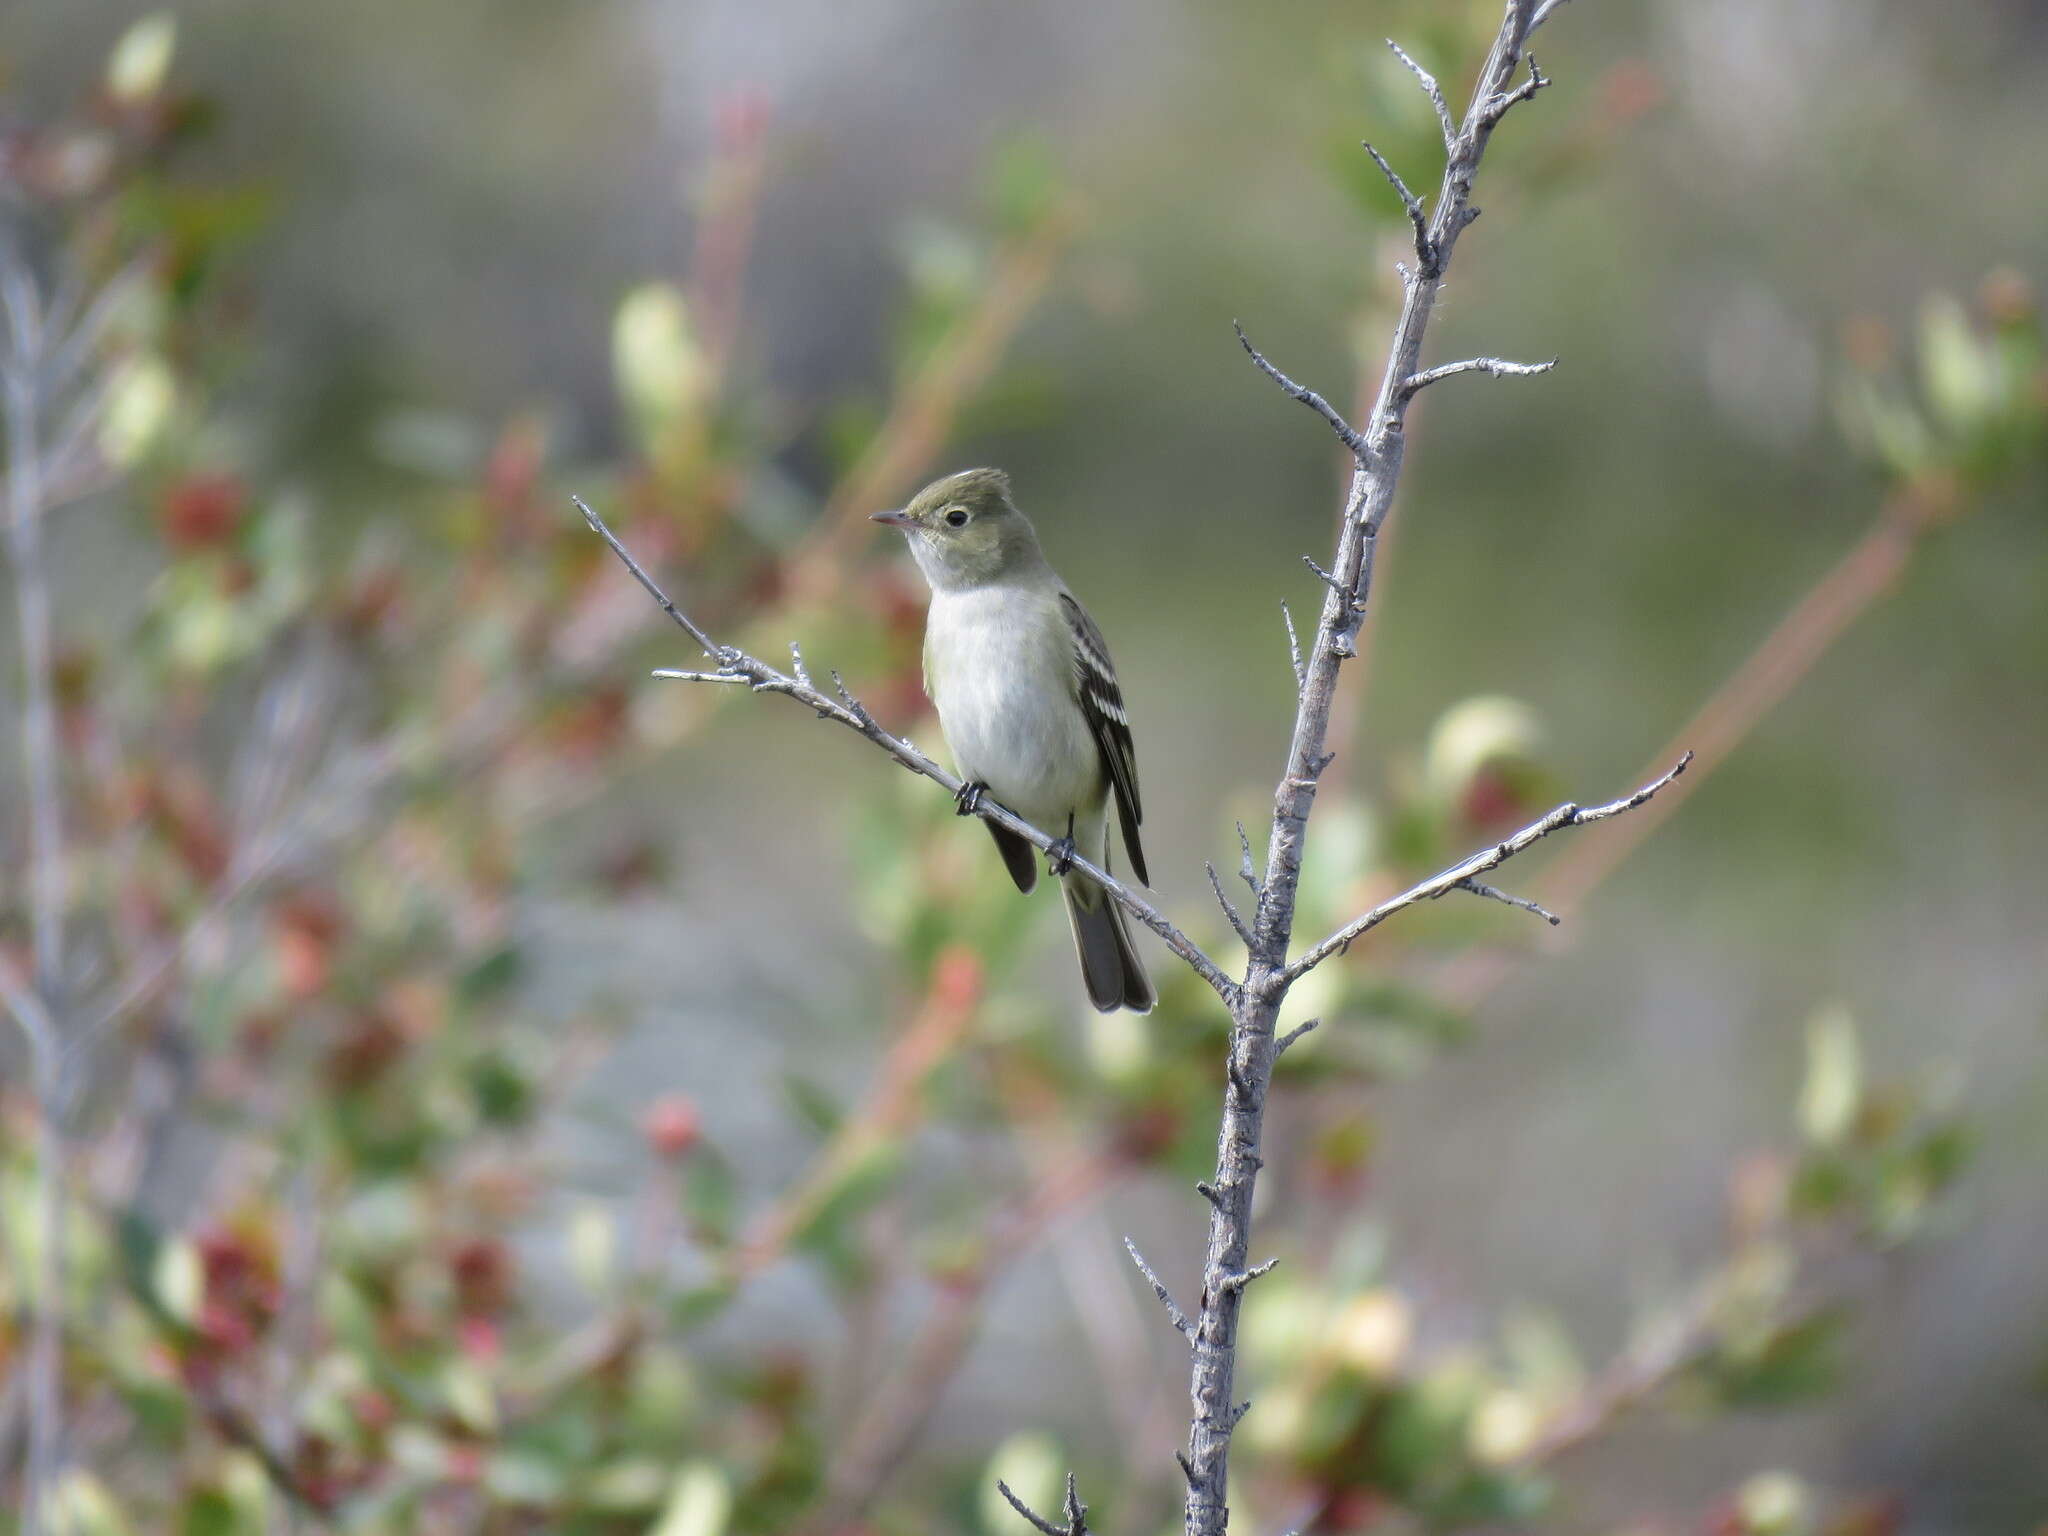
(1059, 858)
(968, 799)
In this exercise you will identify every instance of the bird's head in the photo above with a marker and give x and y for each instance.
(965, 531)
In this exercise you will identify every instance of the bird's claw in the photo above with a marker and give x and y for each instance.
(968, 798)
(1059, 858)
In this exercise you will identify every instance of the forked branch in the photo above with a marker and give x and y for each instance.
(1464, 874)
(1075, 1511)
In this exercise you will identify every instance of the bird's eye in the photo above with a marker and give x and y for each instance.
(957, 518)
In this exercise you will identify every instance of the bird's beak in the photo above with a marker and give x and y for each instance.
(896, 519)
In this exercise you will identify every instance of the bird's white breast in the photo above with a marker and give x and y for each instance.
(999, 669)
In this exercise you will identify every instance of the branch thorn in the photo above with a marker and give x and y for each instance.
(1294, 1034)
(1435, 94)
(1229, 910)
(1346, 433)
(1178, 1318)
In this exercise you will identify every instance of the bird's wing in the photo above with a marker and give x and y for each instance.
(1102, 703)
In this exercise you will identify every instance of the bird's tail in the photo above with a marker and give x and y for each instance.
(1110, 968)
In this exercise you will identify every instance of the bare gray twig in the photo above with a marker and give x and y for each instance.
(1075, 1511)
(1280, 1046)
(1294, 648)
(1492, 893)
(1465, 871)
(1435, 94)
(1245, 1277)
(1425, 251)
(1174, 1315)
(1229, 907)
(674, 675)
(1500, 368)
(1346, 434)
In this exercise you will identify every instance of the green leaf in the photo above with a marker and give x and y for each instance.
(208, 1512)
(141, 60)
(502, 1094)
(695, 1307)
(700, 1503)
(523, 1478)
(1833, 1089)
(1021, 183)
(490, 977)
(709, 1195)
(859, 1185)
(1793, 1364)
(818, 1110)
(84, 1506)
(1959, 372)
(627, 1486)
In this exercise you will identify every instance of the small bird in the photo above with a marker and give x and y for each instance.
(1029, 705)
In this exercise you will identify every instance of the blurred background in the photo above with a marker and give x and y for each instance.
(466, 1085)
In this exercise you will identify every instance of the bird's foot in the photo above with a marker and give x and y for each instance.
(1059, 858)
(968, 798)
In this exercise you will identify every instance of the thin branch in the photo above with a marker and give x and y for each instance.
(711, 648)
(1174, 1315)
(1435, 94)
(1682, 1339)
(1346, 433)
(1229, 907)
(1294, 649)
(848, 711)
(1497, 108)
(1425, 248)
(1566, 815)
(1027, 1511)
(1492, 893)
(70, 355)
(1326, 578)
(1280, 1046)
(1075, 1511)
(27, 1008)
(1245, 869)
(24, 365)
(1499, 367)
(1544, 11)
(1245, 1277)
(673, 675)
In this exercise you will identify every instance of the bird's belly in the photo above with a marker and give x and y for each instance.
(1011, 724)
